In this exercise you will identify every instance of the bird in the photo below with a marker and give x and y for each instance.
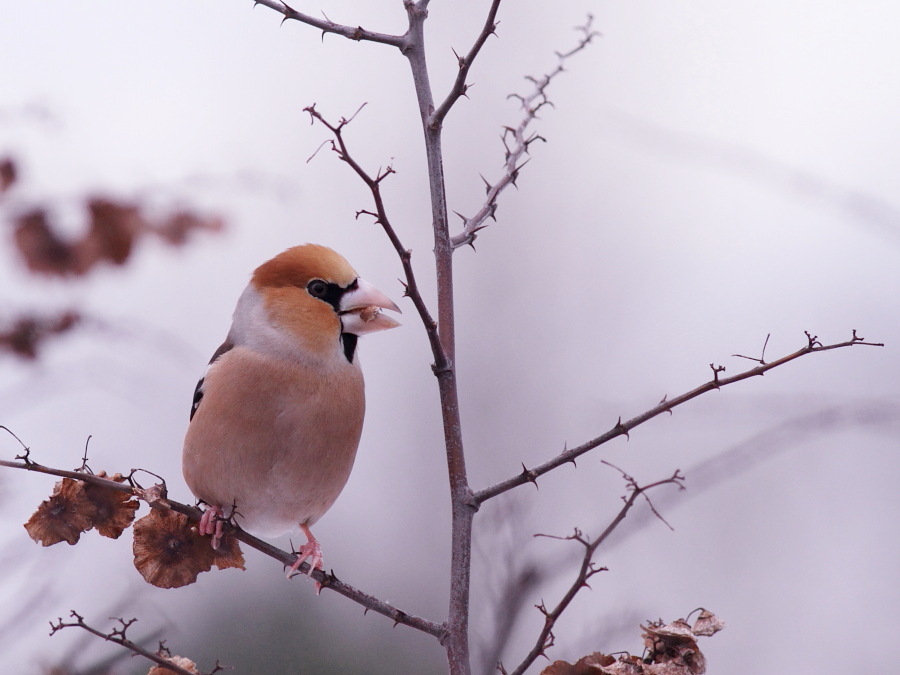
(277, 417)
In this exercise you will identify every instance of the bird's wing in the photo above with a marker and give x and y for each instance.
(198, 391)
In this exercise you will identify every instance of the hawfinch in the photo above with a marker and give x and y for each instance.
(277, 417)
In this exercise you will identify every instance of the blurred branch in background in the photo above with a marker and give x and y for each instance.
(523, 577)
(876, 214)
(588, 568)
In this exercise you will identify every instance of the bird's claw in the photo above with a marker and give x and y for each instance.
(311, 553)
(211, 523)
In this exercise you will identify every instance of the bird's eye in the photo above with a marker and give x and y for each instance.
(317, 288)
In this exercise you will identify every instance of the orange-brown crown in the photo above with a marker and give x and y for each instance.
(298, 265)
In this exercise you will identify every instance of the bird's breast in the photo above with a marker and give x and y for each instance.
(276, 439)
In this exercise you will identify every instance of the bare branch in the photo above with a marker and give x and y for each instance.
(156, 497)
(588, 569)
(326, 25)
(517, 140)
(666, 405)
(117, 636)
(462, 506)
(465, 63)
(381, 218)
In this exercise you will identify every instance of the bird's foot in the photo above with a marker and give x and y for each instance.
(211, 523)
(311, 553)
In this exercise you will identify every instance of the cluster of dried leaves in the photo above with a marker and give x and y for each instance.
(27, 333)
(168, 550)
(114, 226)
(113, 229)
(671, 649)
(76, 507)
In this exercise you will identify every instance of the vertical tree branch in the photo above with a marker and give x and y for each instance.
(462, 504)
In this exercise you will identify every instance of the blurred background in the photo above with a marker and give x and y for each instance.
(713, 174)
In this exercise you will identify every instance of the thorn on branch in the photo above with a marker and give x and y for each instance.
(663, 400)
(460, 60)
(532, 139)
(529, 475)
(622, 429)
(813, 340)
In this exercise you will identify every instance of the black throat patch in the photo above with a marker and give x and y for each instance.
(348, 342)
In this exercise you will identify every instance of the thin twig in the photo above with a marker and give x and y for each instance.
(517, 140)
(381, 218)
(117, 636)
(588, 569)
(460, 87)
(666, 405)
(357, 33)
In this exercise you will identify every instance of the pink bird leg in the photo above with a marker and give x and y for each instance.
(211, 523)
(310, 552)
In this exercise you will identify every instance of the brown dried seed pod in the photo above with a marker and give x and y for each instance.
(64, 516)
(169, 552)
(115, 509)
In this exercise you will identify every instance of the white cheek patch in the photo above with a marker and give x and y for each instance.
(251, 327)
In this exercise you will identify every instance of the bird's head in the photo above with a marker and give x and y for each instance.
(311, 294)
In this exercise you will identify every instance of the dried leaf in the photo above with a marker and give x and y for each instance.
(114, 509)
(592, 664)
(8, 173)
(228, 554)
(707, 624)
(170, 553)
(671, 650)
(626, 664)
(179, 661)
(675, 646)
(112, 232)
(64, 516)
(42, 250)
(27, 333)
(176, 228)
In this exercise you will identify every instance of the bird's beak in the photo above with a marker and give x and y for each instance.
(361, 310)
